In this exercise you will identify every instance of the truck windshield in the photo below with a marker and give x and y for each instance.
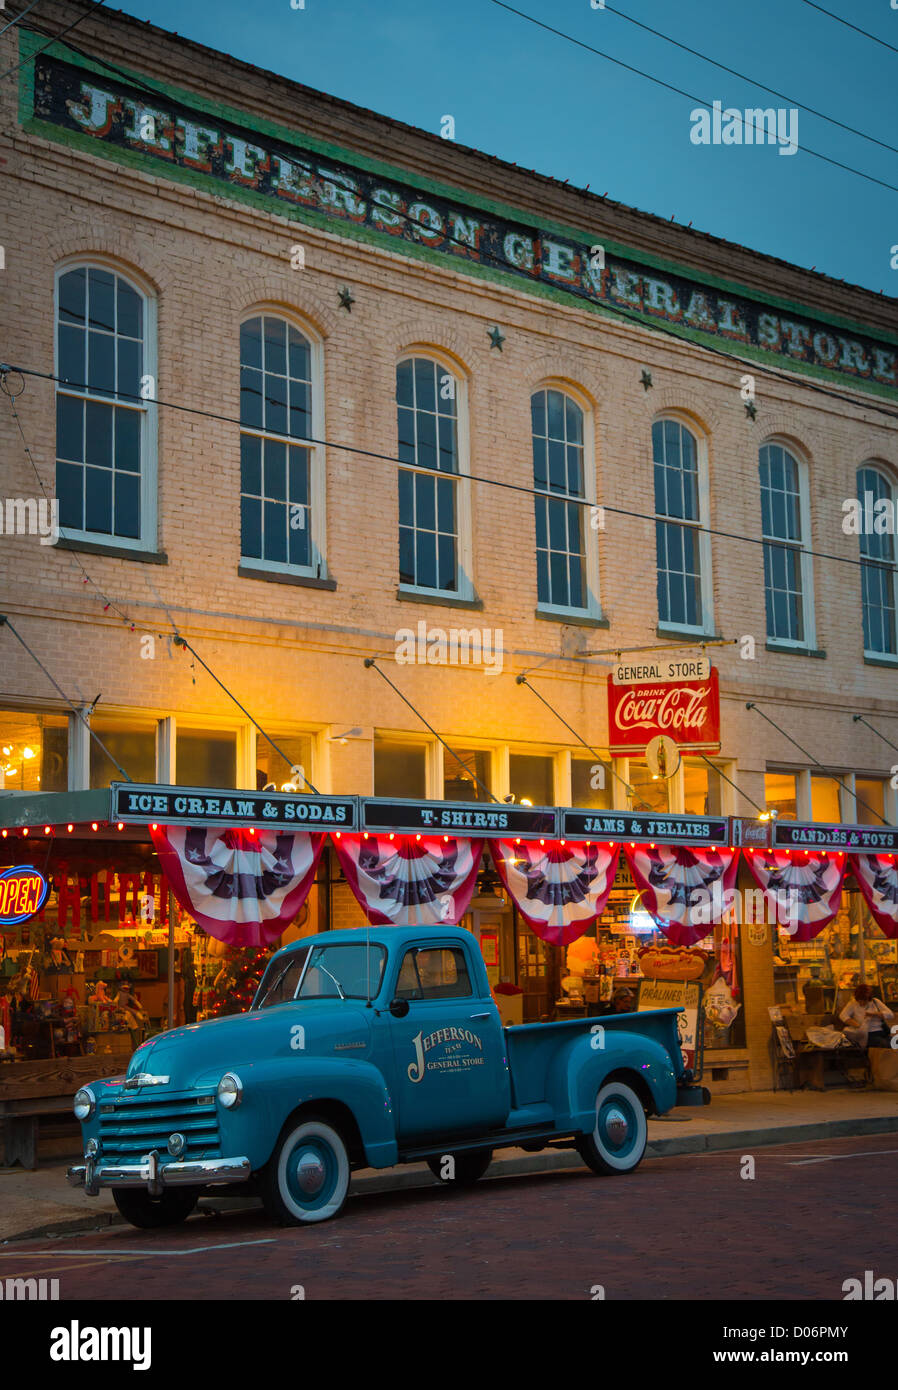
(347, 971)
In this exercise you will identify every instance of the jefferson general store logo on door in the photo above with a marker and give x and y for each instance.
(457, 1054)
(687, 710)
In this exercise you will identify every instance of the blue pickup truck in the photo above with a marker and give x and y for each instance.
(365, 1049)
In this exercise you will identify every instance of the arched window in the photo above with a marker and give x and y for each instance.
(431, 529)
(281, 478)
(682, 548)
(785, 530)
(559, 474)
(879, 584)
(105, 412)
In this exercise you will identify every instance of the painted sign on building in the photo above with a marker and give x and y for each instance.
(174, 136)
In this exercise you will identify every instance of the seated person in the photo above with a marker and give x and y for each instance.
(865, 1019)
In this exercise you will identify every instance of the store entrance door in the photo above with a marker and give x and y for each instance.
(535, 975)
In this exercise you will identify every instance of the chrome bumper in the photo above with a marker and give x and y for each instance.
(156, 1176)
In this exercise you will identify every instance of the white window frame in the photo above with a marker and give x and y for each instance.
(590, 558)
(317, 459)
(806, 564)
(875, 466)
(433, 774)
(706, 587)
(147, 541)
(465, 552)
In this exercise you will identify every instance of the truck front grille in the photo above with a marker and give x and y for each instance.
(133, 1125)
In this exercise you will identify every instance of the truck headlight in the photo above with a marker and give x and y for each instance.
(230, 1090)
(85, 1103)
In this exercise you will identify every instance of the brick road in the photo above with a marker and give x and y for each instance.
(679, 1228)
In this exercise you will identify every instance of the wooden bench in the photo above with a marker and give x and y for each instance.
(29, 1090)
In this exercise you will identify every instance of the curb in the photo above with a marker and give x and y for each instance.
(550, 1160)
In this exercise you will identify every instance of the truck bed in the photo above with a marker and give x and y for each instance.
(533, 1046)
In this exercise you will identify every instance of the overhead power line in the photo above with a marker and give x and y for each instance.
(752, 80)
(849, 25)
(17, 19)
(55, 39)
(582, 502)
(680, 91)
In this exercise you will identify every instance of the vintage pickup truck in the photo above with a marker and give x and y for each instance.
(364, 1050)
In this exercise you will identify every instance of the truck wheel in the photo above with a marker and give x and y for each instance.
(617, 1143)
(307, 1177)
(469, 1167)
(149, 1213)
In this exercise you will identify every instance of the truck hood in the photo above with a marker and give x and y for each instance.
(201, 1053)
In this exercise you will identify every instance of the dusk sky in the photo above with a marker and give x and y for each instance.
(529, 96)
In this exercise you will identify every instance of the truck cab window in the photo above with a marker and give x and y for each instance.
(433, 973)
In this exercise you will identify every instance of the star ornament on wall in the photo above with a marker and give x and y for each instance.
(346, 300)
(496, 338)
(751, 409)
(646, 379)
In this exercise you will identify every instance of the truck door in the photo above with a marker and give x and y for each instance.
(449, 1049)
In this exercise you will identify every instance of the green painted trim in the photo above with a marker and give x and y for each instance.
(29, 43)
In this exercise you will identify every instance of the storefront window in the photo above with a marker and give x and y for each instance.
(649, 793)
(532, 779)
(400, 769)
(33, 752)
(870, 794)
(702, 789)
(272, 768)
(206, 758)
(463, 773)
(825, 799)
(591, 783)
(625, 964)
(816, 979)
(781, 794)
(132, 746)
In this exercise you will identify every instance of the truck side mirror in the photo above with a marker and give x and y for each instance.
(399, 1008)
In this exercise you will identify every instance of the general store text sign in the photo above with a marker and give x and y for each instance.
(143, 803)
(667, 670)
(688, 711)
(124, 120)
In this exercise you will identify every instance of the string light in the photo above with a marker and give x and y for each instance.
(94, 825)
(25, 831)
(70, 827)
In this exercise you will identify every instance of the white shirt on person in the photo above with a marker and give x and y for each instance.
(872, 1013)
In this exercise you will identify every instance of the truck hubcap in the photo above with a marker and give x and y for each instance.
(617, 1126)
(310, 1173)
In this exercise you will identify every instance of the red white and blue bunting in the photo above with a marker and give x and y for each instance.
(242, 886)
(877, 876)
(803, 890)
(410, 880)
(558, 888)
(685, 890)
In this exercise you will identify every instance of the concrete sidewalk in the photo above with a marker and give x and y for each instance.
(42, 1203)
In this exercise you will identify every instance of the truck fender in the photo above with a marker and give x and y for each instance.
(283, 1085)
(579, 1070)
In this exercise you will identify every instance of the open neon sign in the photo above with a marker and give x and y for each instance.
(23, 891)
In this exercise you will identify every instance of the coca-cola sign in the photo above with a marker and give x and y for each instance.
(687, 711)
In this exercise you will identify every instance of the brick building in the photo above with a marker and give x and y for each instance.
(245, 300)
